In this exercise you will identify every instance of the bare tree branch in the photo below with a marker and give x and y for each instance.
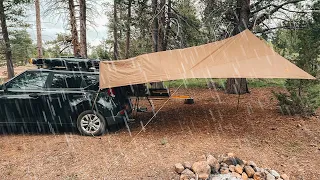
(302, 12)
(264, 16)
(255, 4)
(279, 27)
(282, 19)
(262, 8)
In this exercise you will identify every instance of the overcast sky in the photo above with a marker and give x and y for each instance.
(53, 25)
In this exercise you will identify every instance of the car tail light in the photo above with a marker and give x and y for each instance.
(111, 92)
(122, 112)
(124, 109)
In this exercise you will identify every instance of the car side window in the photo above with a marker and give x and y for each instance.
(29, 80)
(90, 82)
(69, 80)
(74, 80)
(59, 81)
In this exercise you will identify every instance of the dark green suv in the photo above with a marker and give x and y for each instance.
(50, 97)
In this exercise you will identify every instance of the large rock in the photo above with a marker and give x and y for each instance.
(252, 164)
(270, 177)
(256, 169)
(244, 162)
(232, 168)
(234, 174)
(187, 165)
(239, 161)
(229, 161)
(216, 168)
(238, 169)
(259, 176)
(275, 174)
(249, 170)
(178, 168)
(203, 176)
(224, 170)
(284, 177)
(224, 164)
(187, 174)
(244, 176)
(213, 163)
(212, 160)
(201, 168)
(223, 177)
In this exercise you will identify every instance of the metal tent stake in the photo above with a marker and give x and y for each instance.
(151, 104)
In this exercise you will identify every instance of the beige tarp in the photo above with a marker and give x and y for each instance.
(241, 56)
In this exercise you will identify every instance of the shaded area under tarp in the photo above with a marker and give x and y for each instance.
(240, 56)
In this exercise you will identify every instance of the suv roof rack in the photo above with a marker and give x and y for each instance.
(68, 63)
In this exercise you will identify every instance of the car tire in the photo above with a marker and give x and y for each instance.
(91, 123)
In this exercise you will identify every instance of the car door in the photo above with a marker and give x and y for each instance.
(21, 98)
(65, 92)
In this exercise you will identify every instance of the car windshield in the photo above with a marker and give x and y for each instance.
(29, 80)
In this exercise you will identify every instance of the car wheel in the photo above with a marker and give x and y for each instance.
(91, 123)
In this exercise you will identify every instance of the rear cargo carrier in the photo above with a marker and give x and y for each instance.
(66, 63)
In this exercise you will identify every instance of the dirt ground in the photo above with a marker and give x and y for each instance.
(180, 132)
(17, 70)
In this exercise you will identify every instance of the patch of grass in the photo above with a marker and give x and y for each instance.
(164, 141)
(73, 176)
(193, 83)
(266, 82)
(188, 83)
(294, 147)
(202, 83)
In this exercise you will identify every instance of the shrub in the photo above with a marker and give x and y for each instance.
(303, 97)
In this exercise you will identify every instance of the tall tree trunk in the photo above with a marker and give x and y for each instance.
(162, 24)
(165, 43)
(74, 31)
(155, 30)
(243, 9)
(5, 34)
(83, 28)
(128, 30)
(155, 37)
(39, 33)
(239, 85)
(115, 31)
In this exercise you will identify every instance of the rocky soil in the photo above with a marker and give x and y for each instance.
(225, 167)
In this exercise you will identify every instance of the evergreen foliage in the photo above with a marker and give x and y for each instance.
(302, 47)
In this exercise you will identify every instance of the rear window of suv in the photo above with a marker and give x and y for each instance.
(77, 80)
